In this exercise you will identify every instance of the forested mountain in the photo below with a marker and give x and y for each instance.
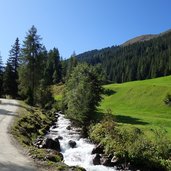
(145, 59)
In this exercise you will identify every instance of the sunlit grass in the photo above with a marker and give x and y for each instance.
(140, 103)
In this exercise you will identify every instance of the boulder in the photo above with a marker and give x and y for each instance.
(72, 143)
(59, 137)
(96, 159)
(73, 168)
(68, 127)
(98, 149)
(52, 144)
(106, 161)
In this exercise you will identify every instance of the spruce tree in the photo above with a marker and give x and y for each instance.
(31, 63)
(8, 81)
(53, 71)
(11, 73)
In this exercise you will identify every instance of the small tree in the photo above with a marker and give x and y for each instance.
(82, 94)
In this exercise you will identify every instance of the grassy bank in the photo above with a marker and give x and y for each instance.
(30, 123)
(140, 103)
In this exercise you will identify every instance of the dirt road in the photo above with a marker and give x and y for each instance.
(10, 157)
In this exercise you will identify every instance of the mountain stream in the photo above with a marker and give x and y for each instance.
(81, 154)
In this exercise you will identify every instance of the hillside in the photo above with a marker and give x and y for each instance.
(140, 103)
(146, 57)
(139, 39)
(143, 38)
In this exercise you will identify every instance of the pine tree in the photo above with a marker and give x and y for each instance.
(53, 71)
(14, 55)
(8, 81)
(31, 63)
(71, 64)
(11, 70)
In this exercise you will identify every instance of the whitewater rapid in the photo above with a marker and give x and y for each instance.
(81, 154)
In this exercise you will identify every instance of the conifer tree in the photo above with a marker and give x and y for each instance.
(53, 71)
(31, 63)
(10, 80)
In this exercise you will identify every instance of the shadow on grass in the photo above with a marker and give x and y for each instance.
(129, 120)
(109, 92)
(99, 116)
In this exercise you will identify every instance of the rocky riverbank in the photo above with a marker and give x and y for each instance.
(75, 150)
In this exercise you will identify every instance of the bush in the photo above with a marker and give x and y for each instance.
(131, 145)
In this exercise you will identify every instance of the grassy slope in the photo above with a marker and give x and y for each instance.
(140, 103)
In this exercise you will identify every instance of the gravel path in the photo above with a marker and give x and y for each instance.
(10, 157)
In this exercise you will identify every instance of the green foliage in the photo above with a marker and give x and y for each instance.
(53, 70)
(38, 70)
(69, 66)
(31, 68)
(8, 86)
(82, 94)
(30, 123)
(44, 97)
(10, 75)
(133, 145)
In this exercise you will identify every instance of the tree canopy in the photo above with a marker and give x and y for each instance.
(83, 93)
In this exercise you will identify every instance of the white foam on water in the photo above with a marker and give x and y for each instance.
(81, 154)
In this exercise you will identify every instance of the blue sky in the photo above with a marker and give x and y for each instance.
(81, 25)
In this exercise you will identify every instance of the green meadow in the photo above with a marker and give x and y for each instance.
(139, 103)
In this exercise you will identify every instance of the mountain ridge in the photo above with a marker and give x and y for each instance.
(143, 38)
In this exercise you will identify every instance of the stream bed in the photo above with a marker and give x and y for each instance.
(80, 155)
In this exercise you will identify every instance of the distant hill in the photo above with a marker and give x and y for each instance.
(143, 38)
(139, 39)
(143, 57)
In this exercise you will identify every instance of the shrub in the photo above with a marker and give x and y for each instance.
(133, 146)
